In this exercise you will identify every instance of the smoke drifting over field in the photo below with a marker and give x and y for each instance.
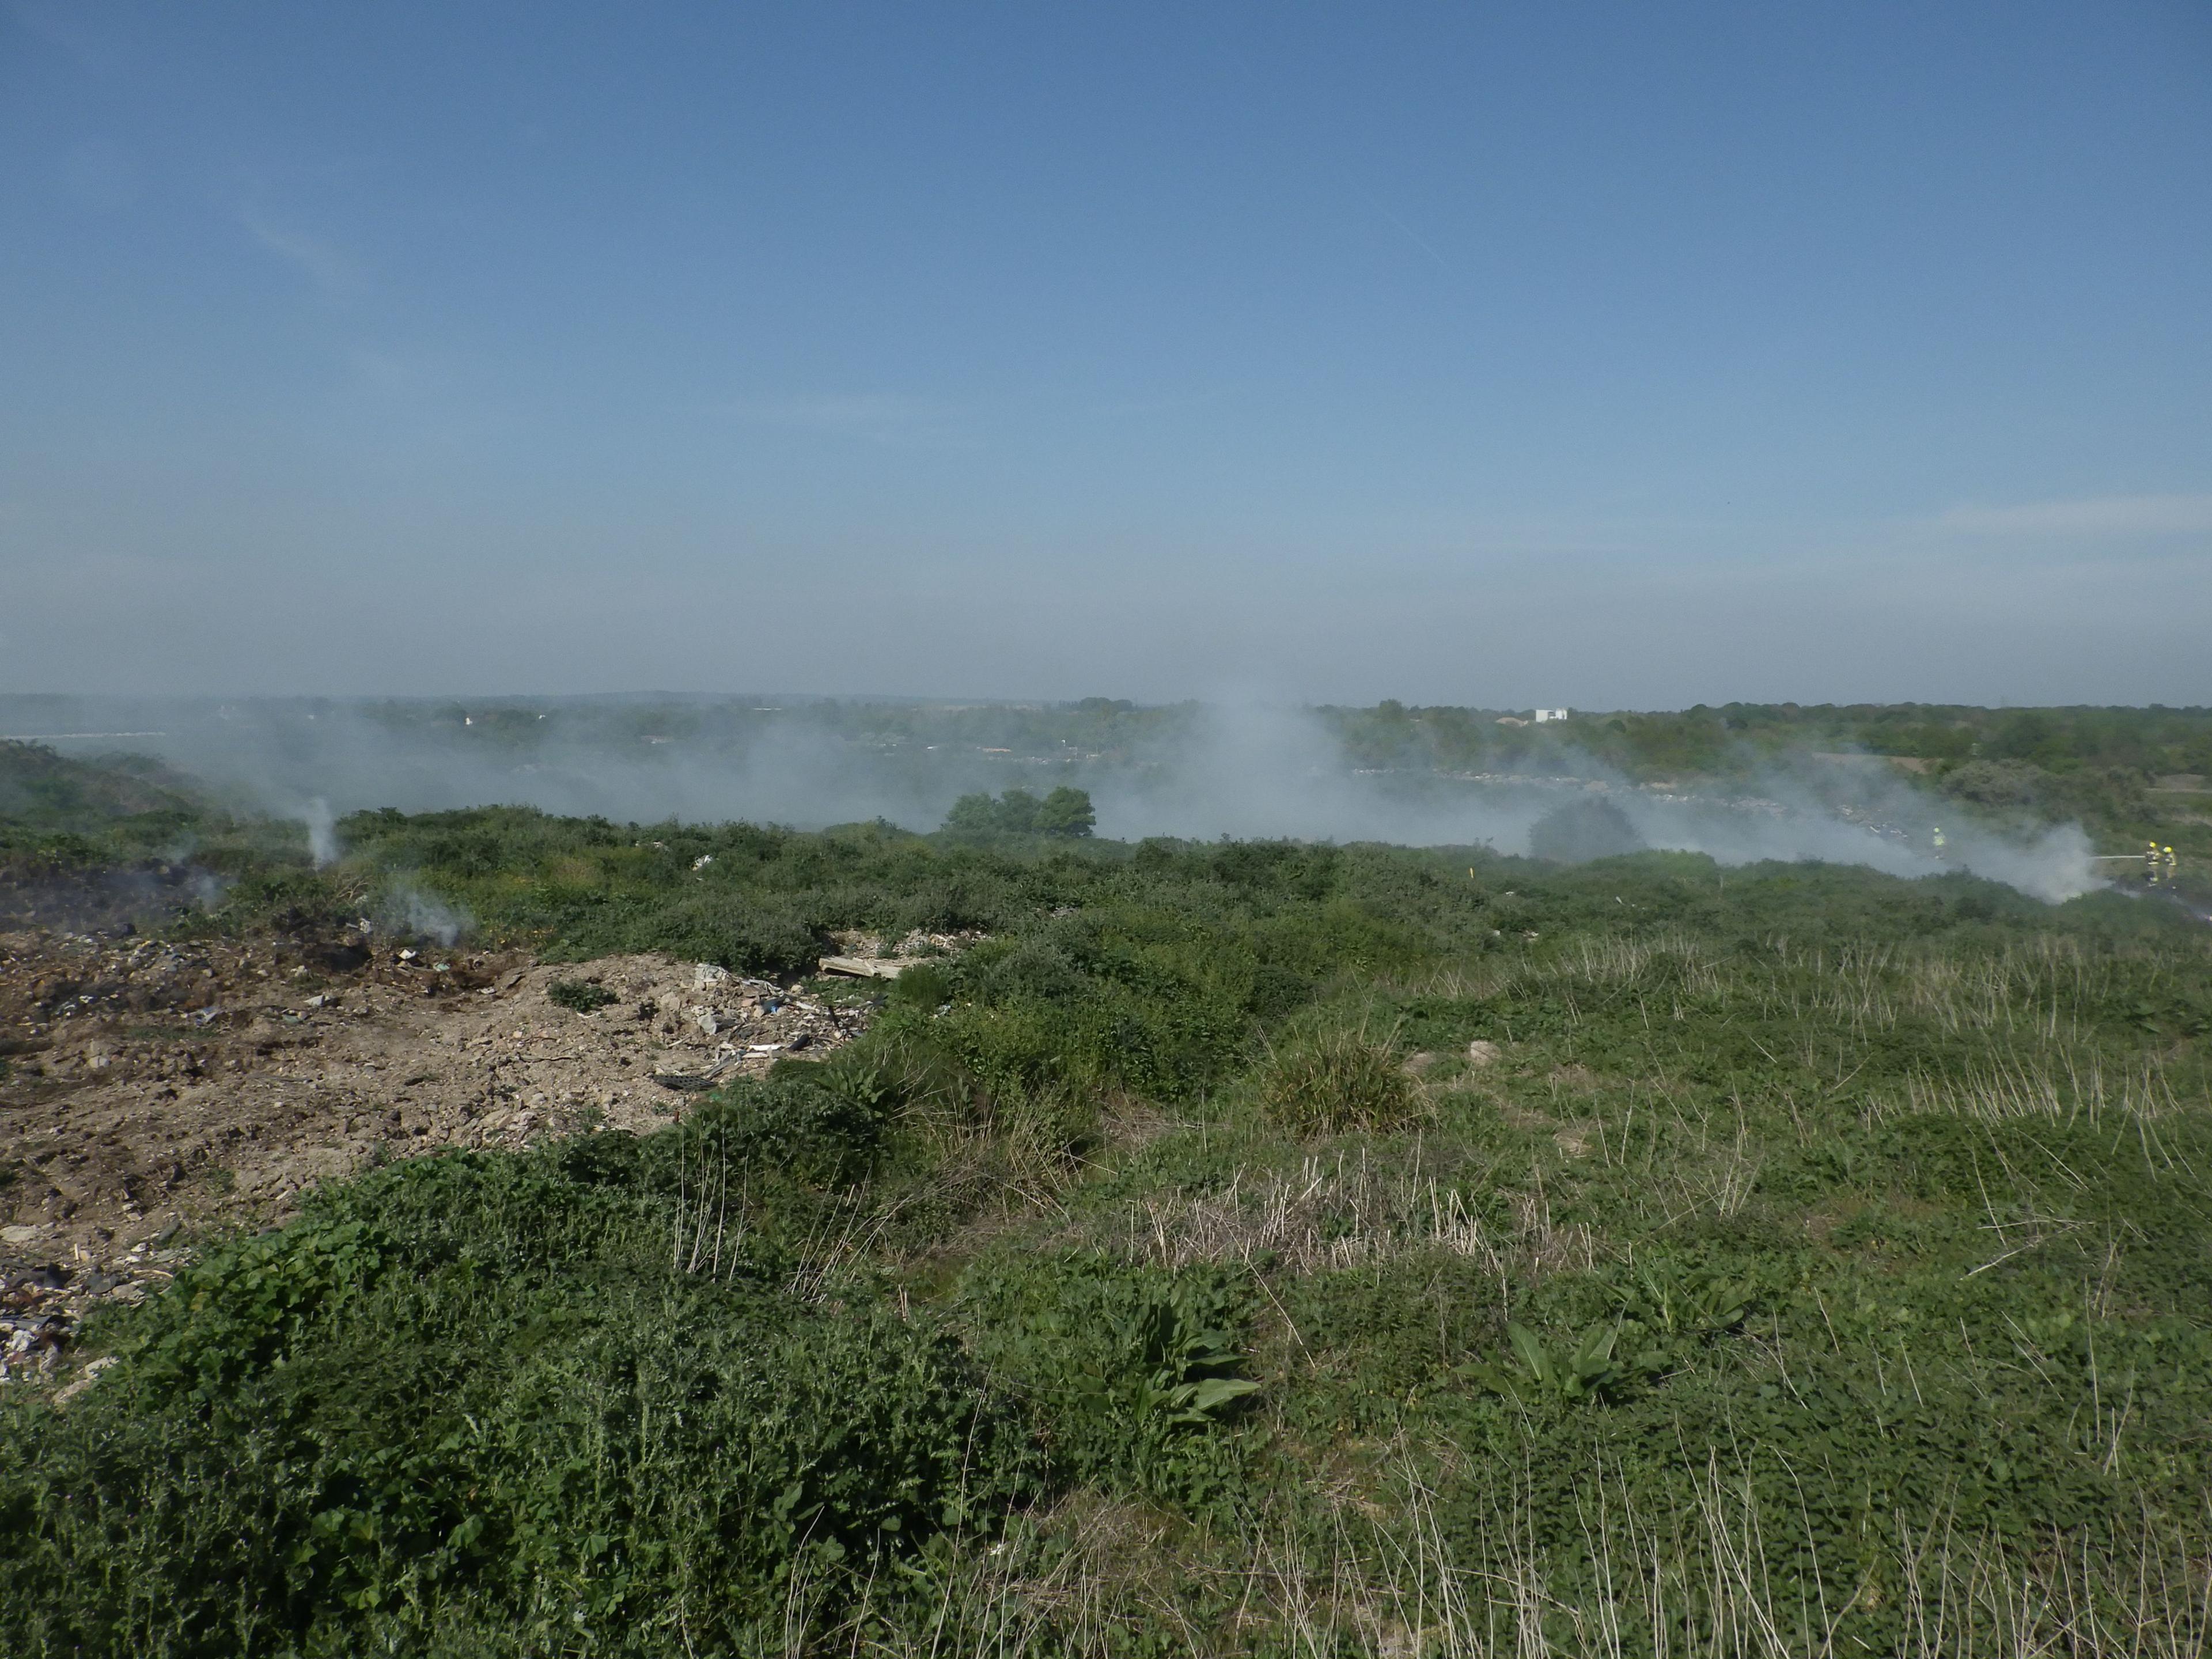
(1251, 771)
(1241, 770)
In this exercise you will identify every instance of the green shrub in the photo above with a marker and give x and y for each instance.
(1132, 1368)
(819, 1123)
(749, 934)
(1584, 829)
(921, 985)
(584, 996)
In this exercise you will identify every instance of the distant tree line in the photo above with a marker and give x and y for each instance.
(1740, 738)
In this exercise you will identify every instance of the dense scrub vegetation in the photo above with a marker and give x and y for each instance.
(46, 801)
(1242, 1248)
(1738, 737)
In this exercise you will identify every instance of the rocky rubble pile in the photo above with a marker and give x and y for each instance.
(741, 1025)
(146, 1085)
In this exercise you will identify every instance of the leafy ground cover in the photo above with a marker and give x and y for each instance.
(1250, 1247)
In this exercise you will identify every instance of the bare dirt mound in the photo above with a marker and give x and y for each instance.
(147, 1086)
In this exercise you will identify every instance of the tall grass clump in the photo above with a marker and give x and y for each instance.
(1335, 1079)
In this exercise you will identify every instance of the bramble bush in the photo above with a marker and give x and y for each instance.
(484, 1393)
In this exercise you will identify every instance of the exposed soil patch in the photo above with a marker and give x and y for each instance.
(149, 1085)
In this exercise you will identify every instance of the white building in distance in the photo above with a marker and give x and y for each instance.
(1546, 715)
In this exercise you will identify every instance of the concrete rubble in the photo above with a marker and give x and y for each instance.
(865, 956)
(864, 967)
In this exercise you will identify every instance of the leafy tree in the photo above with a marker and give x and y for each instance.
(2028, 735)
(973, 815)
(1067, 811)
(1584, 829)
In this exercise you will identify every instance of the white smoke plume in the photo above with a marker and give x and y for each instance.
(1237, 768)
(322, 832)
(408, 910)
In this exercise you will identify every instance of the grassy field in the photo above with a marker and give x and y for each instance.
(1246, 1248)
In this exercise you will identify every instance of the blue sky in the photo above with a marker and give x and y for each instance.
(1602, 355)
